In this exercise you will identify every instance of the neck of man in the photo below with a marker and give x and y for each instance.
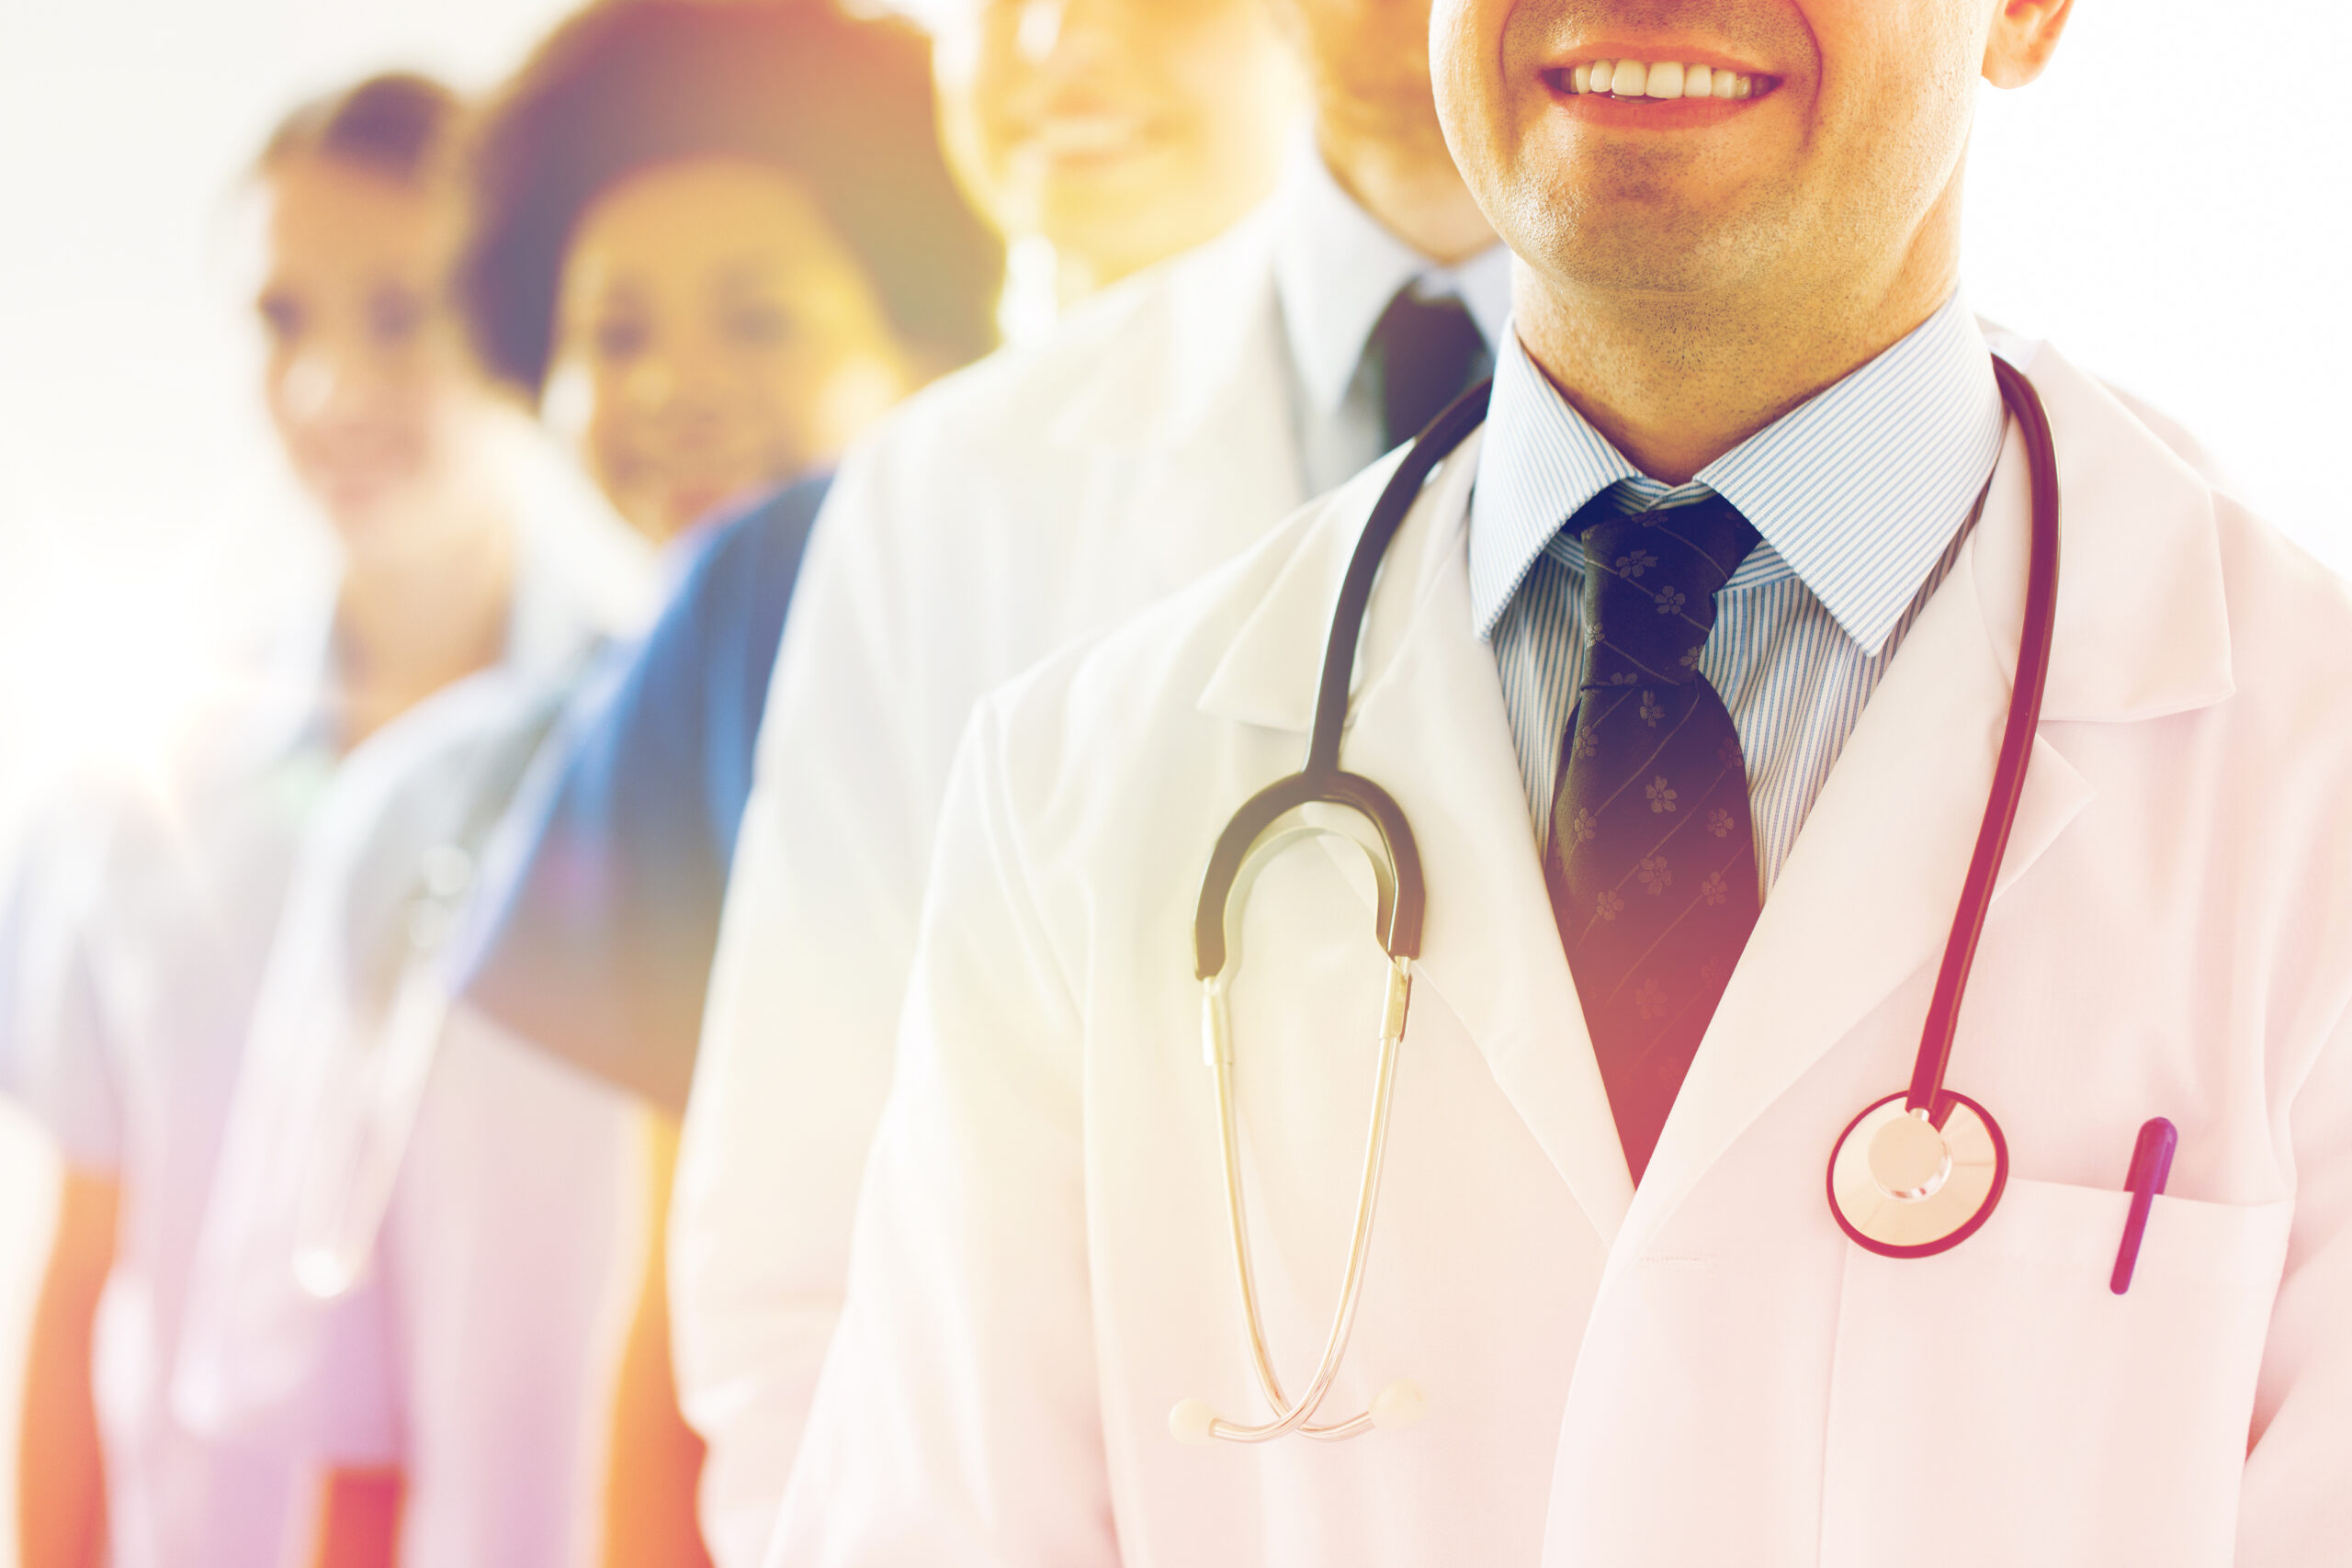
(1391, 156)
(417, 613)
(1677, 380)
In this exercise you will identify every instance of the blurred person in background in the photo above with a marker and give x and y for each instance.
(1101, 136)
(138, 928)
(1165, 425)
(710, 240)
(1121, 130)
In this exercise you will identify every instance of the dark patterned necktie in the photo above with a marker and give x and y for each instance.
(1652, 859)
(1425, 353)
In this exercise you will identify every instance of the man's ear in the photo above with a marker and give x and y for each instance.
(2025, 35)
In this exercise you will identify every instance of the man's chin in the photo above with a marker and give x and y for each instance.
(674, 510)
(1649, 242)
(363, 512)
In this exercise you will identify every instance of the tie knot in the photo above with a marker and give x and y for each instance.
(1710, 535)
(1650, 584)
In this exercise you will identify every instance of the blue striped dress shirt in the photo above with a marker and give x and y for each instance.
(1860, 494)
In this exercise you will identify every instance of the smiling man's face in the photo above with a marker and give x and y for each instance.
(1829, 139)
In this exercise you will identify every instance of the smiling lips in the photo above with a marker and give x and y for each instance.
(1088, 135)
(1629, 79)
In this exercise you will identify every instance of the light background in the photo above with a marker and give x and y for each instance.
(2176, 218)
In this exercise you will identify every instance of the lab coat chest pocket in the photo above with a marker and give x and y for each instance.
(1999, 1404)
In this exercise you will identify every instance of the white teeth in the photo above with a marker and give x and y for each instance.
(1667, 79)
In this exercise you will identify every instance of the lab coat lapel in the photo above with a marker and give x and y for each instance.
(1190, 435)
(1434, 729)
(1866, 897)
(1427, 724)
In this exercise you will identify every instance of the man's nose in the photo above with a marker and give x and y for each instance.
(684, 375)
(1070, 34)
(1038, 28)
(652, 383)
(316, 381)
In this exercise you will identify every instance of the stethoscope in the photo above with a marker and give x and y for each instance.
(1914, 1174)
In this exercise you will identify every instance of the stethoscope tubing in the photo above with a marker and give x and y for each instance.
(2016, 750)
(1322, 781)
(1295, 1416)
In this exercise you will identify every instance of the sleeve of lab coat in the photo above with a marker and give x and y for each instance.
(2296, 1509)
(57, 1056)
(811, 964)
(957, 1423)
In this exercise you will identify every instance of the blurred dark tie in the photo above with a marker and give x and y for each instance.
(1652, 859)
(1426, 354)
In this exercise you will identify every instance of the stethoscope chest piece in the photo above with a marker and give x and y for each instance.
(1903, 1187)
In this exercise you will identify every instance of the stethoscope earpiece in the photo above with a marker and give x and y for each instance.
(1399, 1406)
(1192, 1422)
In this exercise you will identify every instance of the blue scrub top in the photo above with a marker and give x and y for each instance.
(597, 944)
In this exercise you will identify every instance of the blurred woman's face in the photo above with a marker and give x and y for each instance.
(1121, 130)
(369, 384)
(714, 336)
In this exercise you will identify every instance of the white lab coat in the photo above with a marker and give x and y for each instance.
(498, 1285)
(142, 935)
(1708, 1370)
(147, 934)
(479, 1347)
(1038, 497)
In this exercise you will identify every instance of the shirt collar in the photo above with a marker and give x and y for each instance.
(1336, 268)
(1859, 489)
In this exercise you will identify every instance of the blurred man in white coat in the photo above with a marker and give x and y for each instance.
(1040, 496)
(1690, 671)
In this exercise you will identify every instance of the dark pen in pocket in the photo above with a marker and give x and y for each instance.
(2151, 1167)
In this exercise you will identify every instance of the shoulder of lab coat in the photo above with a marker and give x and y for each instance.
(98, 858)
(594, 931)
(2017, 349)
(1019, 503)
(115, 865)
(961, 1414)
(56, 1058)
